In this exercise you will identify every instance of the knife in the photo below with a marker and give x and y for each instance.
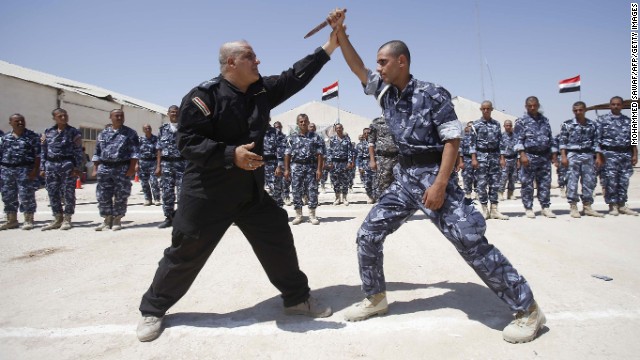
(318, 28)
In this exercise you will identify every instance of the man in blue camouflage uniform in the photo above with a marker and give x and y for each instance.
(618, 156)
(147, 165)
(114, 163)
(366, 173)
(171, 165)
(383, 155)
(534, 143)
(508, 161)
(485, 159)
(273, 156)
(561, 171)
(464, 161)
(303, 165)
(340, 159)
(319, 140)
(19, 164)
(62, 161)
(578, 146)
(427, 133)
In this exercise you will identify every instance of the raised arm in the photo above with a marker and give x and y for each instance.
(348, 52)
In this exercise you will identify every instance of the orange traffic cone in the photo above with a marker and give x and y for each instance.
(78, 183)
(136, 179)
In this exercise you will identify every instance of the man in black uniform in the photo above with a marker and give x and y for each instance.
(221, 129)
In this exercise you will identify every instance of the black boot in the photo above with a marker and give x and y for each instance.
(168, 222)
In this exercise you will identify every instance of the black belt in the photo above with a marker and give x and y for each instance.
(511, 156)
(269, 157)
(16, 165)
(487, 150)
(538, 152)
(468, 156)
(307, 161)
(616, 148)
(580, 151)
(148, 158)
(339, 160)
(115, 163)
(164, 158)
(386, 153)
(427, 158)
(60, 158)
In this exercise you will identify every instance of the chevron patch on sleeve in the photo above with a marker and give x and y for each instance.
(201, 105)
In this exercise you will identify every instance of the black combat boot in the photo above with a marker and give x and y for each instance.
(168, 222)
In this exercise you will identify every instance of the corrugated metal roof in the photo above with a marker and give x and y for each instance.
(57, 82)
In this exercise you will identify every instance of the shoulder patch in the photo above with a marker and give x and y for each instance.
(201, 105)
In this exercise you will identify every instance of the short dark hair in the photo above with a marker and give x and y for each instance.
(17, 115)
(616, 97)
(530, 99)
(579, 103)
(173, 107)
(304, 116)
(397, 48)
(116, 110)
(54, 111)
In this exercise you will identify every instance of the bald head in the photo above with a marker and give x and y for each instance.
(231, 50)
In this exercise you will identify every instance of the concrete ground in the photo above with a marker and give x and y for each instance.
(75, 294)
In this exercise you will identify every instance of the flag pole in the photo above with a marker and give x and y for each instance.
(338, 97)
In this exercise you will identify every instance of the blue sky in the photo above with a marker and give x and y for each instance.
(158, 50)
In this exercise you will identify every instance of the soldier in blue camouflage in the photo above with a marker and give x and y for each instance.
(147, 165)
(383, 155)
(171, 165)
(19, 164)
(325, 171)
(340, 159)
(62, 161)
(561, 171)
(485, 159)
(464, 161)
(303, 164)
(362, 159)
(115, 158)
(427, 133)
(578, 146)
(618, 157)
(273, 156)
(534, 143)
(508, 161)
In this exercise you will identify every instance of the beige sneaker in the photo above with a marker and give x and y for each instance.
(371, 306)
(548, 213)
(495, 214)
(106, 224)
(298, 219)
(624, 209)
(117, 223)
(529, 213)
(338, 200)
(311, 307)
(28, 222)
(149, 328)
(312, 217)
(525, 326)
(66, 222)
(55, 224)
(588, 211)
(573, 211)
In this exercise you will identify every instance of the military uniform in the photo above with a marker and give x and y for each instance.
(273, 157)
(18, 157)
(468, 172)
(147, 168)
(580, 143)
(614, 139)
(340, 153)
(304, 151)
(381, 139)
(561, 171)
(61, 155)
(422, 118)
(173, 166)
(114, 151)
(534, 137)
(366, 174)
(485, 143)
(509, 173)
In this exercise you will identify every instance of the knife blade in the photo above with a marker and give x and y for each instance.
(318, 28)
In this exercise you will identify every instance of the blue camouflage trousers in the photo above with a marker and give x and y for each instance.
(60, 184)
(538, 170)
(340, 177)
(171, 182)
(468, 175)
(457, 220)
(274, 183)
(488, 176)
(562, 175)
(303, 182)
(286, 187)
(325, 176)
(113, 189)
(149, 180)
(581, 169)
(18, 192)
(615, 176)
(508, 176)
(366, 177)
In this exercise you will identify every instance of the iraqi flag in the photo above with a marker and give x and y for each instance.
(330, 91)
(569, 85)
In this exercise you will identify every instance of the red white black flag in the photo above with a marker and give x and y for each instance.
(570, 85)
(330, 91)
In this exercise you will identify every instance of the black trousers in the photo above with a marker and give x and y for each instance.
(198, 226)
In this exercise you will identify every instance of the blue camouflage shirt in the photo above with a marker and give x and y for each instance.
(574, 136)
(65, 144)
(533, 134)
(274, 144)
(148, 147)
(340, 149)
(303, 147)
(117, 145)
(21, 150)
(614, 130)
(421, 116)
(167, 142)
(486, 138)
(465, 143)
(508, 144)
